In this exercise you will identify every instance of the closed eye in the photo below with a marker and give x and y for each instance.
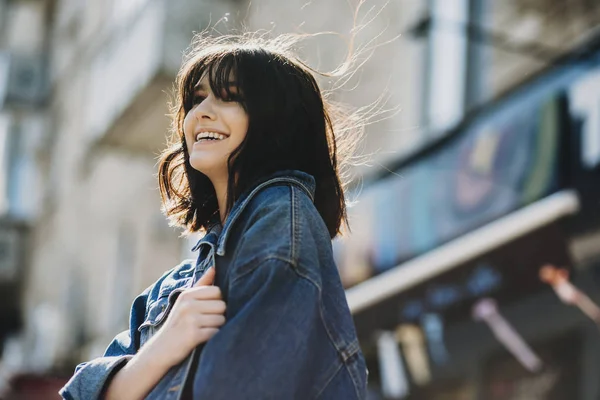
(197, 99)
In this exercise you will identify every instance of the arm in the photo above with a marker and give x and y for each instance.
(139, 375)
(123, 374)
(195, 318)
(267, 348)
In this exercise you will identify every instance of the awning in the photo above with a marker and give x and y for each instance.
(463, 249)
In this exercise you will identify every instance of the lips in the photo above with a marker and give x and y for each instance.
(210, 135)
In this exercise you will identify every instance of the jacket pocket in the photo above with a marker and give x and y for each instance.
(157, 314)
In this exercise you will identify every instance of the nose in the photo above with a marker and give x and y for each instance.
(205, 110)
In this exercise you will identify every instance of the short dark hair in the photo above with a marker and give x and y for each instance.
(290, 127)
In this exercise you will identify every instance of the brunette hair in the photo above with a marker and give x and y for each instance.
(291, 126)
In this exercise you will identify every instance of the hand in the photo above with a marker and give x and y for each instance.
(197, 315)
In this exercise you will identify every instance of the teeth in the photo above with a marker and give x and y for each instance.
(212, 135)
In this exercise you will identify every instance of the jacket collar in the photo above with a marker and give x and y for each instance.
(218, 234)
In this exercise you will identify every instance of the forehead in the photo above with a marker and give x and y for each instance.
(202, 83)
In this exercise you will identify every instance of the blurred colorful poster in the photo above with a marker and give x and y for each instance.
(500, 162)
(584, 103)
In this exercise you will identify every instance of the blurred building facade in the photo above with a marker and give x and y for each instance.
(80, 133)
(446, 275)
(80, 178)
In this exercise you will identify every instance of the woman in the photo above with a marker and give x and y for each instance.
(254, 166)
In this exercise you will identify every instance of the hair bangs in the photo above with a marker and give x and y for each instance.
(223, 77)
(221, 70)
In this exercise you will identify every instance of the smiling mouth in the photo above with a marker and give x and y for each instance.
(205, 137)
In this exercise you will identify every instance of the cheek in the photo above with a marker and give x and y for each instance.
(186, 123)
(240, 124)
(187, 127)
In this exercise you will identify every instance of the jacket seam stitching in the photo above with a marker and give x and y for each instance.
(291, 259)
(288, 181)
(335, 344)
(343, 360)
(341, 365)
(352, 377)
(257, 264)
(294, 227)
(319, 291)
(325, 326)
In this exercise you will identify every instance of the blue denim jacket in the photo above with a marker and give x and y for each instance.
(289, 333)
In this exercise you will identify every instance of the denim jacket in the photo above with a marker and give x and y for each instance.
(289, 333)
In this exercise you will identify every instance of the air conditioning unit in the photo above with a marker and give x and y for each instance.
(23, 80)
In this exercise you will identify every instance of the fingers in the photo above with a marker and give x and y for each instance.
(204, 306)
(211, 321)
(203, 293)
(204, 334)
(212, 307)
(207, 278)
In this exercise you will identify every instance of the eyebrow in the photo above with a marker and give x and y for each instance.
(201, 86)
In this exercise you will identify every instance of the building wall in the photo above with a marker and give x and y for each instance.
(99, 238)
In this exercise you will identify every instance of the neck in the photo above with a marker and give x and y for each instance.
(220, 186)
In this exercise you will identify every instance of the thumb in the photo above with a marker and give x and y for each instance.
(208, 278)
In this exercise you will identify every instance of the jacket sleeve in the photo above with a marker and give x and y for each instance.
(264, 350)
(90, 378)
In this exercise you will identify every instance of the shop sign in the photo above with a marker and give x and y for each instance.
(501, 162)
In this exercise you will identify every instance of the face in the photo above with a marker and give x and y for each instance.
(213, 129)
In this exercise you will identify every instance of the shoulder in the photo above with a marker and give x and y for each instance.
(281, 211)
(280, 221)
(281, 204)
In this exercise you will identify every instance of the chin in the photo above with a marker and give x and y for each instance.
(200, 167)
(208, 167)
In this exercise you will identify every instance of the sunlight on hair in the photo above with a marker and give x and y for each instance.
(346, 124)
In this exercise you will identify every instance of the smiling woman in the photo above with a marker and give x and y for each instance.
(253, 164)
(269, 105)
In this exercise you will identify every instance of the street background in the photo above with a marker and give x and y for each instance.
(483, 167)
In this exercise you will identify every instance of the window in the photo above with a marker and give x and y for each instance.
(446, 77)
(529, 35)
